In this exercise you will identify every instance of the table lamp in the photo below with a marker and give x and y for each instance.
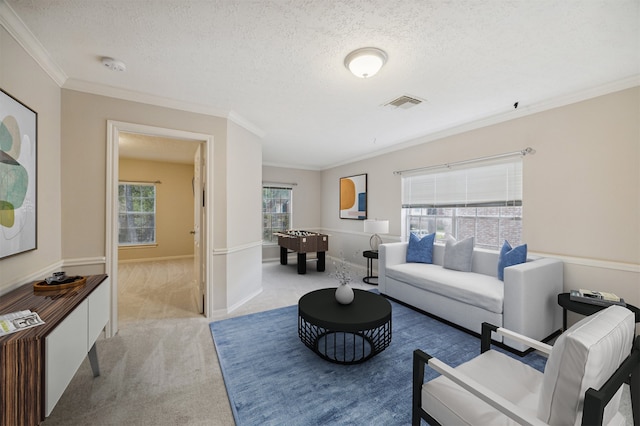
(375, 227)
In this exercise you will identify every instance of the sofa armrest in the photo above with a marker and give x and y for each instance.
(389, 254)
(530, 298)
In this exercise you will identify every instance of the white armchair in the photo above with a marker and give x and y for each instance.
(495, 389)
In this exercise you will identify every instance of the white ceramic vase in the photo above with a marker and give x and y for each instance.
(344, 294)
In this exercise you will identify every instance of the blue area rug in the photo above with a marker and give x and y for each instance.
(272, 378)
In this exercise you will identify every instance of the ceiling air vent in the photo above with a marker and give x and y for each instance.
(404, 102)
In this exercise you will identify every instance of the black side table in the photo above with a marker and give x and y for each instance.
(370, 255)
(585, 308)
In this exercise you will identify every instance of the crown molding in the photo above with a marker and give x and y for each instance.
(462, 127)
(145, 98)
(246, 124)
(25, 38)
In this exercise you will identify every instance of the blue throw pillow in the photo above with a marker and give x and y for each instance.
(510, 256)
(420, 250)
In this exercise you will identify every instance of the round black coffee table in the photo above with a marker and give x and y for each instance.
(344, 334)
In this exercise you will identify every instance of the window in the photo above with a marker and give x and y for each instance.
(137, 215)
(276, 212)
(483, 201)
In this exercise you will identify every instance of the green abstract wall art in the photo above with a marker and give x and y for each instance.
(18, 176)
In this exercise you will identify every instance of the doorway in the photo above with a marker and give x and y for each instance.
(201, 148)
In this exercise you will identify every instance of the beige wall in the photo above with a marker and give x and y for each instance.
(581, 187)
(72, 150)
(174, 207)
(306, 200)
(22, 78)
(84, 131)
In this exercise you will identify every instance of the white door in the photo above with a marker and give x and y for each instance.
(199, 180)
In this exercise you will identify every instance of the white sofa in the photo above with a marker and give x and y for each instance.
(526, 302)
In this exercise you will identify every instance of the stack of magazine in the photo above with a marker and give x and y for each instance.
(600, 298)
(16, 321)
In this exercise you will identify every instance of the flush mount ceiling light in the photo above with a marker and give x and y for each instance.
(113, 64)
(365, 62)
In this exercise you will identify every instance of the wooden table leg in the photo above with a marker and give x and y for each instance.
(283, 255)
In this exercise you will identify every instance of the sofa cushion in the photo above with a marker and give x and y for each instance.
(450, 404)
(510, 256)
(420, 250)
(474, 289)
(458, 255)
(585, 356)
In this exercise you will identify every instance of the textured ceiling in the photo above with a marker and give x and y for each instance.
(277, 65)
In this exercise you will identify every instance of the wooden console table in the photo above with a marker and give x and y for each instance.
(37, 364)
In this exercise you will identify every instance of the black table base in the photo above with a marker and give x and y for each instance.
(564, 300)
(370, 255)
(344, 347)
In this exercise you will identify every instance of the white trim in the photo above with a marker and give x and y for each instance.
(10, 20)
(242, 302)
(145, 98)
(84, 261)
(246, 124)
(111, 246)
(458, 128)
(570, 260)
(593, 263)
(228, 250)
(155, 259)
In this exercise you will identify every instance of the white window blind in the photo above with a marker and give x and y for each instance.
(489, 184)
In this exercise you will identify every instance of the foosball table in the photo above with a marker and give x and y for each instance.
(303, 242)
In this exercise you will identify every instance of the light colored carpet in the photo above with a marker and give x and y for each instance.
(161, 368)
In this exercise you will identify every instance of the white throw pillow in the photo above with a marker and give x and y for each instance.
(458, 255)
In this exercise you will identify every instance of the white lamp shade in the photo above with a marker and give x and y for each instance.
(376, 226)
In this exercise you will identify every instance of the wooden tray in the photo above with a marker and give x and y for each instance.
(43, 286)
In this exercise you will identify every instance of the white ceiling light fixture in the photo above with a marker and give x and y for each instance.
(113, 65)
(365, 62)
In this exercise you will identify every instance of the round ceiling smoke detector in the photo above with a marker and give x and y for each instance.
(113, 64)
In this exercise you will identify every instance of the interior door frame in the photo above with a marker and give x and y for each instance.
(114, 128)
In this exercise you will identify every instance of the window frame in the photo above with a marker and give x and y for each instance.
(154, 213)
(446, 214)
(268, 231)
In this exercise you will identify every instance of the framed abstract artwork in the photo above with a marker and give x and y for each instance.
(18, 176)
(353, 197)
